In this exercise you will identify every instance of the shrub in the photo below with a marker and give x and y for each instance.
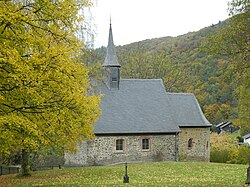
(225, 149)
(244, 154)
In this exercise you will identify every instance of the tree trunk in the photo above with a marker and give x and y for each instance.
(25, 169)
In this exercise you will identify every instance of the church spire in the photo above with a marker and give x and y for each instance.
(111, 58)
(111, 65)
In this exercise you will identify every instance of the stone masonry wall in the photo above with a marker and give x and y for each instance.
(102, 150)
(200, 146)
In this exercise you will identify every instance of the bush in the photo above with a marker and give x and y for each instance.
(225, 149)
(244, 154)
(219, 156)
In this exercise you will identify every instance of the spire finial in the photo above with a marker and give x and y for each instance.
(110, 20)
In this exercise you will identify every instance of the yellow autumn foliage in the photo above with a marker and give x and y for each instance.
(44, 90)
(225, 148)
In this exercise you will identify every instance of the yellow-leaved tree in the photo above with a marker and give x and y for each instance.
(44, 90)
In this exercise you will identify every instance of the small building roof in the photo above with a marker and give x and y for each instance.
(223, 124)
(246, 136)
(139, 106)
(226, 124)
(187, 110)
(220, 124)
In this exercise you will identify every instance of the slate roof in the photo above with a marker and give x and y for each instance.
(187, 110)
(139, 106)
(143, 106)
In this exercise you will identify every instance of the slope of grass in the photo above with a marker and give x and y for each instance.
(141, 174)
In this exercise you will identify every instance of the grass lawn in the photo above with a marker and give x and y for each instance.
(181, 174)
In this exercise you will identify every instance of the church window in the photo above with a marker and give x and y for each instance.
(120, 145)
(114, 79)
(190, 143)
(145, 144)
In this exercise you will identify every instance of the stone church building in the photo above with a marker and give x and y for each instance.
(141, 122)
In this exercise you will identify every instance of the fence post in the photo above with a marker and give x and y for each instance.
(1, 170)
(248, 171)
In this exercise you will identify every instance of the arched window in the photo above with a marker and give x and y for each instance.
(190, 143)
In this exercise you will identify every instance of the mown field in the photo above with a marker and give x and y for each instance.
(141, 174)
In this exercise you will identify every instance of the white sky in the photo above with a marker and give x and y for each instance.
(136, 20)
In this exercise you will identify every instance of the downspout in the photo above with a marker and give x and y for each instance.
(176, 147)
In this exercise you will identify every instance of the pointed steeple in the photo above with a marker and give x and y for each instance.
(111, 58)
(111, 65)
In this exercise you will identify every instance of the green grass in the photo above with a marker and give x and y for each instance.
(142, 174)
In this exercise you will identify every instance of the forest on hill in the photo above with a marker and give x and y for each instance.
(185, 65)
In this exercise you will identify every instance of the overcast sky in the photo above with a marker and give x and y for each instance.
(136, 20)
